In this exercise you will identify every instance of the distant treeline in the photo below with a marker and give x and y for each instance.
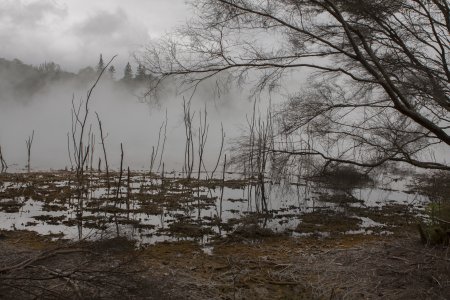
(21, 81)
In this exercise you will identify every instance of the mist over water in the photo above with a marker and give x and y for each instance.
(125, 119)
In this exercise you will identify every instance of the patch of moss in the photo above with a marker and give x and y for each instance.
(53, 207)
(151, 209)
(28, 239)
(253, 231)
(327, 221)
(51, 220)
(339, 198)
(188, 229)
(11, 206)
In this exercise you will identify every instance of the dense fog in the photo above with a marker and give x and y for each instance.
(125, 118)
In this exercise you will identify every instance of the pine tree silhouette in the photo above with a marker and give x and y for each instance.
(128, 73)
(100, 64)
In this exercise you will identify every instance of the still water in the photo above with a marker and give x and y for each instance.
(149, 209)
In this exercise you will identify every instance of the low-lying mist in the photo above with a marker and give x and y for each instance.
(125, 119)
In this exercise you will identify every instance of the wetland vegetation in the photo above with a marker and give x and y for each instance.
(255, 224)
(156, 236)
(337, 189)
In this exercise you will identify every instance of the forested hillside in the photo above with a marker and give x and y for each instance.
(20, 81)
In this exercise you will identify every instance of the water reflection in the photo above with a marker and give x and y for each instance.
(150, 209)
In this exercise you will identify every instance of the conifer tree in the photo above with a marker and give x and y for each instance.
(140, 74)
(100, 64)
(111, 71)
(128, 73)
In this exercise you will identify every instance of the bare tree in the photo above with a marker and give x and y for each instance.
(189, 154)
(104, 150)
(380, 71)
(162, 134)
(29, 143)
(2, 162)
(79, 121)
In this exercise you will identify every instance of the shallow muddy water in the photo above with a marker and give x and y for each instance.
(150, 209)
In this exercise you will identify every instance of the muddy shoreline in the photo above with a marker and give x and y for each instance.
(312, 241)
(338, 267)
(151, 208)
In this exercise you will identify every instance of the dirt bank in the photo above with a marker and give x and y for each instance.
(337, 267)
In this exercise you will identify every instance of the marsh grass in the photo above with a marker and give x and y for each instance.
(144, 205)
(436, 228)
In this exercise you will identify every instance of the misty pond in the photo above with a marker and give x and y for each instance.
(173, 203)
(213, 149)
(150, 208)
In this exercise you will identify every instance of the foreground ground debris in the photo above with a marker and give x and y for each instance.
(343, 247)
(350, 267)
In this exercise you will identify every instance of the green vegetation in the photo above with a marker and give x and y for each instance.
(436, 228)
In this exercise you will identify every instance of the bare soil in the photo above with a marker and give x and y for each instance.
(337, 267)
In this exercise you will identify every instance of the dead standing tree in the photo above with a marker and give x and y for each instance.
(380, 71)
(252, 153)
(29, 143)
(102, 137)
(81, 147)
(189, 154)
(3, 162)
(79, 121)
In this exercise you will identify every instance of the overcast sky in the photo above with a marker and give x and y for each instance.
(74, 32)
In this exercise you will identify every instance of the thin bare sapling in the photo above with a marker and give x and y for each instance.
(2, 161)
(102, 137)
(29, 143)
(79, 121)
